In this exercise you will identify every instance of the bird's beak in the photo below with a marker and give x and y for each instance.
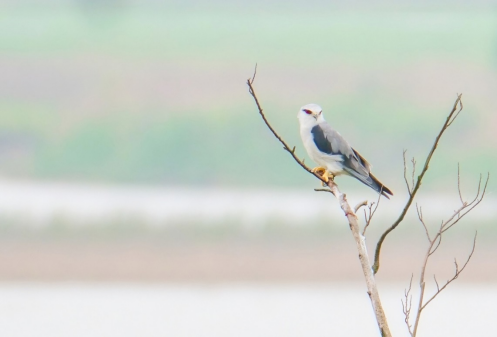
(315, 116)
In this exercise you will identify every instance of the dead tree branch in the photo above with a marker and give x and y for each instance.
(359, 205)
(433, 245)
(364, 259)
(353, 223)
(405, 173)
(414, 189)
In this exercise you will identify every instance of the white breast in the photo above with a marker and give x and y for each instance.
(333, 163)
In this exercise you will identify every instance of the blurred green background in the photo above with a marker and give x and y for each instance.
(127, 133)
(128, 92)
(136, 172)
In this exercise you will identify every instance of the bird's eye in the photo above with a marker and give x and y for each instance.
(320, 112)
(308, 111)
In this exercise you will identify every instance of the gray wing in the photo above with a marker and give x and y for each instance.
(331, 142)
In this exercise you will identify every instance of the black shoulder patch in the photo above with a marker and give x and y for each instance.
(320, 140)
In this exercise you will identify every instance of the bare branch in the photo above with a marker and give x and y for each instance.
(479, 187)
(435, 243)
(406, 308)
(359, 205)
(438, 239)
(456, 216)
(323, 190)
(372, 211)
(413, 161)
(405, 173)
(420, 217)
(367, 219)
(447, 225)
(255, 73)
(285, 145)
(436, 282)
(459, 184)
(456, 274)
(449, 120)
(460, 109)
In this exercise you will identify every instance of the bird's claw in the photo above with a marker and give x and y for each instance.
(324, 174)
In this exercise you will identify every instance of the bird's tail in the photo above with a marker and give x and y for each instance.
(376, 185)
(372, 182)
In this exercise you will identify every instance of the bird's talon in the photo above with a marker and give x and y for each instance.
(319, 170)
(324, 174)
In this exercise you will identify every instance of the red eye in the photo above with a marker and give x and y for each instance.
(308, 111)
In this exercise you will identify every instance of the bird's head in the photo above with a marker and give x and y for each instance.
(310, 114)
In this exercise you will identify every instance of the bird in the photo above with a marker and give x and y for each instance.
(332, 152)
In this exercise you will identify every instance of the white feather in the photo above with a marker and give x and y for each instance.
(333, 163)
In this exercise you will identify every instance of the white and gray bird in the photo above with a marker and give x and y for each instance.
(332, 152)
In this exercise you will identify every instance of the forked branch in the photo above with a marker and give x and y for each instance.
(434, 243)
(407, 306)
(414, 189)
(371, 210)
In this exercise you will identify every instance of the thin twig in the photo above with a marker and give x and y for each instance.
(285, 145)
(438, 239)
(420, 217)
(359, 205)
(405, 173)
(255, 73)
(372, 211)
(459, 184)
(408, 305)
(457, 114)
(447, 225)
(413, 161)
(479, 188)
(323, 190)
(449, 120)
(436, 282)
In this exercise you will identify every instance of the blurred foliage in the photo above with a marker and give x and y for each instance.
(227, 230)
(139, 94)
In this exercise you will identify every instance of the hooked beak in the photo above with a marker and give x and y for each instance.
(316, 116)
